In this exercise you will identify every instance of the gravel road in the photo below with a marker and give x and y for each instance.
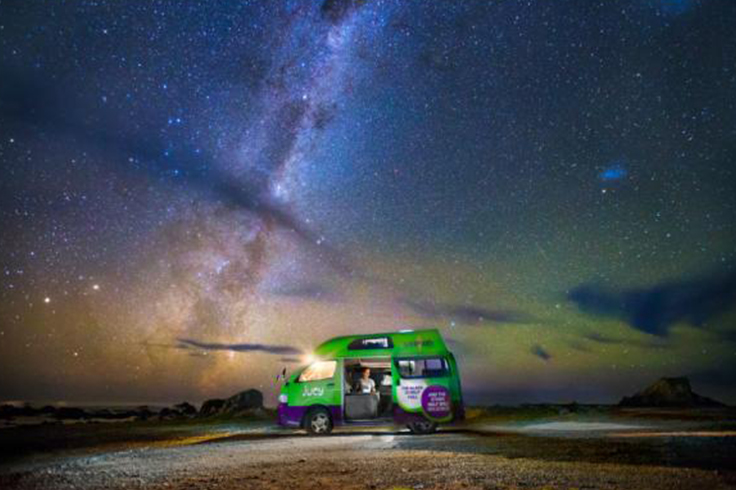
(374, 460)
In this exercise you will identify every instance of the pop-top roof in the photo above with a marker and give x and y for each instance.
(403, 343)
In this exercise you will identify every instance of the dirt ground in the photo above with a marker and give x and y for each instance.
(479, 455)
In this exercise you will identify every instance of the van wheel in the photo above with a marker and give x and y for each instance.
(318, 422)
(422, 427)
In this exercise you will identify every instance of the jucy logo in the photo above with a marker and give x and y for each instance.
(315, 391)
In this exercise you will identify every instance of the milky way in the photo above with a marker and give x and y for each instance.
(194, 195)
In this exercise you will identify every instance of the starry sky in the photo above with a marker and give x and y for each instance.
(194, 194)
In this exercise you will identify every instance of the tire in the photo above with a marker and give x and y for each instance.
(422, 427)
(318, 422)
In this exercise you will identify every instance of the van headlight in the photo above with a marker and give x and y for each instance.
(283, 398)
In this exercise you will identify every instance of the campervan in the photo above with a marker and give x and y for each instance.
(399, 378)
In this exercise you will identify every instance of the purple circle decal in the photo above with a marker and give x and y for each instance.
(436, 401)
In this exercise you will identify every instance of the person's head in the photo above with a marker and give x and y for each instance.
(366, 372)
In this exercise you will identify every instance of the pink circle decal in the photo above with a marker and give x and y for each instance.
(436, 401)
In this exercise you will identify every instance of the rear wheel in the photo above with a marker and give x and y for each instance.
(318, 422)
(422, 427)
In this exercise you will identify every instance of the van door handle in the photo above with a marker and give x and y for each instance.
(330, 385)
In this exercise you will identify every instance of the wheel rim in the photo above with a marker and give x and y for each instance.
(320, 423)
(423, 426)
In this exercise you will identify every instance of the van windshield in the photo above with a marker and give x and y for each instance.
(431, 367)
(318, 371)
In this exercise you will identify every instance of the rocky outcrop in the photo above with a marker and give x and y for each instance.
(70, 413)
(669, 392)
(169, 414)
(211, 407)
(186, 409)
(144, 413)
(74, 413)
(245, 401)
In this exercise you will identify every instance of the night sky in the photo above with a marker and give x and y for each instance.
(193, 194)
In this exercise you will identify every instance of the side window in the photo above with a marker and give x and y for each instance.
(433, 367)
(318, 371)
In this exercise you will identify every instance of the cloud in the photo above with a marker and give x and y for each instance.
(310, 291)
(463, 314)
(656, 309)
(269, 349)
(646, 344)
(540, 352)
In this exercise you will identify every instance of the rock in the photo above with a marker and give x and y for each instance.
(144, 413)
(8, 411)
(27, 410)
(169, 414)
(245, 401)
(249, 402)
(186, 409)
(569, 408)
(211, 407)
(103, 413)
(114, 414)
(71, 413)
(669, 392)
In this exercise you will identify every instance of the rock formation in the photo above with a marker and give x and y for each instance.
(669, 392)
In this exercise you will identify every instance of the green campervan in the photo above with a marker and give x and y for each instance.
(407, 378)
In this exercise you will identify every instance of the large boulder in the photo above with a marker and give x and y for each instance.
(167, 413)
(244, 402)
(211, 407)
(669, 392)
(249, 402)
(186, 409)
(48, 410)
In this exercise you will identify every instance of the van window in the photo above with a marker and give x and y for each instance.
(318, 370)
(371, 343)
(432, 367)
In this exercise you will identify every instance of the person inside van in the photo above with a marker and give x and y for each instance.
(365, 384)
(347, 379)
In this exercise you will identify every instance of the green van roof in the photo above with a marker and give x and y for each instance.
(403, 343)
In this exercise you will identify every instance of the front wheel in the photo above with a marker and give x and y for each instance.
(318, 422)
(422, 427)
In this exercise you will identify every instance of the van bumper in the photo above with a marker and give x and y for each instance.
(289, 416)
